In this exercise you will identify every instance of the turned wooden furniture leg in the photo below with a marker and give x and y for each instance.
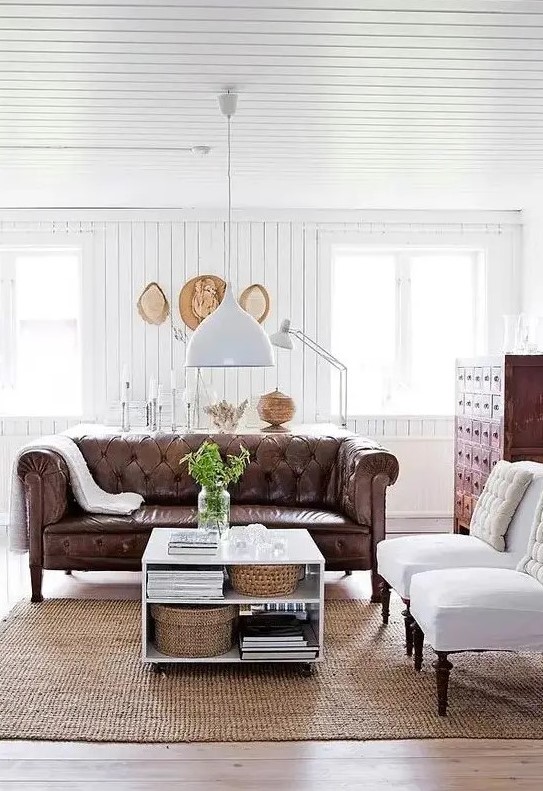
(376, 582)
(409, 621)
(418, 643)
(385, 601)
(443, 668)
(36, 576)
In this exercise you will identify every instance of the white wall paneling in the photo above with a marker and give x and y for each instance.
(289, 252)
(291, 258)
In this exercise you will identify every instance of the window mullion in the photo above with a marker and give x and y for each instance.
(404, 323)
(7, 306)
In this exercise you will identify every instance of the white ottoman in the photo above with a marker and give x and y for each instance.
(478, 609)
(399, 559)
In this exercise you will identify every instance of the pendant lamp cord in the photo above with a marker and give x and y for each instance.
(229, 202)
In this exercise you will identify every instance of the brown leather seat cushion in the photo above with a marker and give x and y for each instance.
(149, 516)
(100, 541)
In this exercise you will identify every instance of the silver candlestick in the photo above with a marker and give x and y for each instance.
(174, 409)
(152, 414)
(125, 411)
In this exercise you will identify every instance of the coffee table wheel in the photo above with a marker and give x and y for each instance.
(157, 669)
(308, 669)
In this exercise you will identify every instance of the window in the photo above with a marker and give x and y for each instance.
(400, 317)
(40, 344)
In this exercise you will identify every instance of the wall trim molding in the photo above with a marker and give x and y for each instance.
(455, 218)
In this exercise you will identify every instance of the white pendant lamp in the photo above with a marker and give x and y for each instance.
(229, 337)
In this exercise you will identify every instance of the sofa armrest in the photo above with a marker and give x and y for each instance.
(45, 480)
(365, 470)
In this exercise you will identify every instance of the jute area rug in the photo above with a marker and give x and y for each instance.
(70, 670)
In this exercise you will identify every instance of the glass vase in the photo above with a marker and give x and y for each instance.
(214, 510)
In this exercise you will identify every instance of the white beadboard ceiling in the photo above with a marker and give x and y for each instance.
(335, 96)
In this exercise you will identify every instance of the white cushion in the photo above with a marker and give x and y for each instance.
(495, 507)
(479, 608)
(532, 563)
(398, 559)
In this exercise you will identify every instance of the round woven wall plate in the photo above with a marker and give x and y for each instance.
(256, 301)
(199, 297)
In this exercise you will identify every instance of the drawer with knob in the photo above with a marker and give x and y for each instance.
(497, 406)
(485, 433)
(495, 435)
(496, 379)
(494, 458)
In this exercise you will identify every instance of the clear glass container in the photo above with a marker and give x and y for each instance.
(214, 510)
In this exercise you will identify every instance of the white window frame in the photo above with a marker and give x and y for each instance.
(81, 245)
(499, 285)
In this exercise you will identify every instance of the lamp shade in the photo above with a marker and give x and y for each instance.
(229, 338)
(282, 339)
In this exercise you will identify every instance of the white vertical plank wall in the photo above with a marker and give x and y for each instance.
(289, 253)
(289, 257)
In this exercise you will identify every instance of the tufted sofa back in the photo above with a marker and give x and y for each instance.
(285, 469)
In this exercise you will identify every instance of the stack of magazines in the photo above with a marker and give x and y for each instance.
(181, 585)
(276, 637)
(192, 541)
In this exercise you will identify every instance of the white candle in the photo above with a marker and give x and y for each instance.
(125, 377)
(172, 379)
(160, 394)
(152, 388)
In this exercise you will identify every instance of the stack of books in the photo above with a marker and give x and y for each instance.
(192, 541)
(182, 585)
(277, 637)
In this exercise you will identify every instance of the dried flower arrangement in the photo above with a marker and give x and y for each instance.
(224, 416)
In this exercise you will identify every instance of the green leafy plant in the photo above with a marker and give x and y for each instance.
(208, 468)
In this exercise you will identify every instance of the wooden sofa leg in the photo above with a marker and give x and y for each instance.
(443, 668)
(348, 572)
(68, 572)
(376, 582)
(418, 643)
(385, 601)
(408, 621)
(36, 576)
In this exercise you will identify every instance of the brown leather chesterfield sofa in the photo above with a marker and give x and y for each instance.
(332, 485)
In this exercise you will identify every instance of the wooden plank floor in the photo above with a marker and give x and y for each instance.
(424, 765)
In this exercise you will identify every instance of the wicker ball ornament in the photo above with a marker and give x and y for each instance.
(276, 408)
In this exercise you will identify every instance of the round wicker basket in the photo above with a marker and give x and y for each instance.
(276, 408)
(181, 630)
(272, 580)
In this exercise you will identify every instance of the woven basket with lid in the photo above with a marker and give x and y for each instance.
(182, 630)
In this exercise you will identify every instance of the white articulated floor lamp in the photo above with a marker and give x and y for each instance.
(283, 340)
(229, 337)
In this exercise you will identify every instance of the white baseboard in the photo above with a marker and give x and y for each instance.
(402, 525)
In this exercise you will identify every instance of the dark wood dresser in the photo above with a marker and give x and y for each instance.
(499, 415)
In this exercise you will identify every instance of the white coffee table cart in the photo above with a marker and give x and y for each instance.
(299, 549)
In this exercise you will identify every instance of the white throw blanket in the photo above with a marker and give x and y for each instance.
(86, 491)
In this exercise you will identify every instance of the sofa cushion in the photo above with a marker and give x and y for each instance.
(495, 507)
(83, 541)
(481, 608)
(399, 559)
(532, 562)
(149, 516)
